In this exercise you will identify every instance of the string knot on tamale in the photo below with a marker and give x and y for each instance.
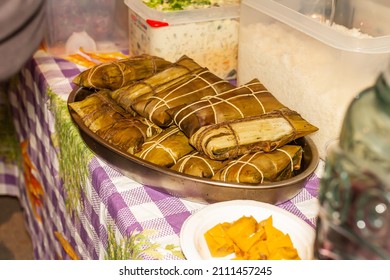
(265, 132)
(261, 167)
(129, 134)
(250, 99)
(166, 148)
(193, 88)
(199, 165)
(176, 73)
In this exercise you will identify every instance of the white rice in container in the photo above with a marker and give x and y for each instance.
(306, 75)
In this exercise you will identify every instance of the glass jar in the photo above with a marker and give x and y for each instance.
(354, 215)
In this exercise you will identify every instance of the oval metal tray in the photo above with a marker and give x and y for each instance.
(190, 187)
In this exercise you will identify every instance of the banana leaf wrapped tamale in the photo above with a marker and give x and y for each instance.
(98, 110)
(112, 123)
(248, 100)
(166, 148)
(261, 167)
(199, 165)
(174, 74)
(265, 132)
(195, 87)
(117, 74)
(128, 134)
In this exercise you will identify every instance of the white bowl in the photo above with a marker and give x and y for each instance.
(194, 245)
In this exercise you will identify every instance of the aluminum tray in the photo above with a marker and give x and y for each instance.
(190, 187)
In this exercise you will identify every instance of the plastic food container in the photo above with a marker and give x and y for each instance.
(209, 36)
(312, 67)
(88, 24)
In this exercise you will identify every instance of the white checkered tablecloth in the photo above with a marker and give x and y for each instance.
(111, 204)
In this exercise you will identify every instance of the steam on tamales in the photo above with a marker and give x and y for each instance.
(174, 74)
(195, 87)
(261, 167)
(265, 132)
(117, 74)
(248, 100)
(166, 148)
(199, 165)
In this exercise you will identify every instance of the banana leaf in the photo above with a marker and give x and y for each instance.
(193, 88)
(98, 110)
(128, 134)
(198, 165)
(261, 167)
(120, 73)
(248, 100)
(177, 72)
(265, 132)
(166, 148)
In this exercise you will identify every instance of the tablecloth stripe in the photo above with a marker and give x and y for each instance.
(9, 174)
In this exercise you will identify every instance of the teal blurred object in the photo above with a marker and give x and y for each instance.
(354, 215)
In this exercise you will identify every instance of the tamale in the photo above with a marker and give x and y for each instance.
(166, 148)
(98, 110)
(93, 101)
(128, 134)
(198, 165)
(117, 74)
(128, 95)
(248, 100)
(193, 88)
(265, 132)
(261, 167)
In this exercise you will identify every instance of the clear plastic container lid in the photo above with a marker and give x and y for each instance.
(183, 16)
(290, 13)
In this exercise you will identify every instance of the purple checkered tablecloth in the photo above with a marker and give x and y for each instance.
(79, 207)
(9, 168)
(9, 176)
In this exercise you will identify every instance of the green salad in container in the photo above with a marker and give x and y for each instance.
(176, 5)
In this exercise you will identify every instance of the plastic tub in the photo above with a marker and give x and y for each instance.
(91, 25)
(209, 36)
(310, 66)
